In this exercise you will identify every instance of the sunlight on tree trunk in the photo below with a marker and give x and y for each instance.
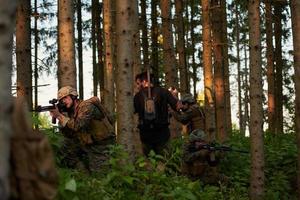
(208, 72)
(66, 62)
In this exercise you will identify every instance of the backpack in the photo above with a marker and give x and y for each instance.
(149, 109)
(33, 174)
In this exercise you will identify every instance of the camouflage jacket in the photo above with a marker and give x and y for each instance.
(193, 117)
(90, 122)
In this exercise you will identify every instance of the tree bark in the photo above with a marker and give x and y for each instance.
(7, 20)
(256, 111)
(154, 43)
(126, 32)
(109, 67)
(99, 39)
(270, 67)
(79, 50)
(210, 123)
(23, 51)
(169, 61)
(219, 73)
(194, 65)
(295, 12)
(278, 68)
(237, 26)
(94, 48)
(184, 84)
(226, 68)
(66, 52)
(143, 24)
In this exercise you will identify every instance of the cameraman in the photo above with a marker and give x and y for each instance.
(87, 129)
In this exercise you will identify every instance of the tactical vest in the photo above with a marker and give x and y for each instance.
(197, 122)
(99, 129)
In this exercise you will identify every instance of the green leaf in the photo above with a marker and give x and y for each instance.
(71, 185)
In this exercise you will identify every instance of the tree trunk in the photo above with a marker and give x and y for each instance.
(143, 24)
(194, 65)
(168, 45)
(36, 75)
(109, 96)
(7, 20)
(295, 11)
(219, 71)
(126, 32)
(278, 68)
(23, 51)
(184, 84)
(246, 90)
(210, 123)
(226, 68)
(94, 48)
(66, 52)
(79, 50)
(256, 111)
(99, 39)
(154, 44)
(270, 67)
(237, 26)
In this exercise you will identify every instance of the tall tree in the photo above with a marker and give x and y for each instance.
(278, 67)
(154, 42)
(169, 60)
(256, 96)
(208, 71)
(126, 32)
(66, 46)
(143, 25)
(295, 11)
(94, 48)
(23, 51)
(237, 26)
(225, 45)
(99, 39)
(184, 84)
(7, 20)
(109, 66)
(270, 66)
(193, 51)
(79, 50)
(219, 86)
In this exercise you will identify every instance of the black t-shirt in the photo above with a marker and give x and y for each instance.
(162, 98)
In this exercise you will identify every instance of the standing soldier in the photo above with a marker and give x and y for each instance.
(191, 114)
(151, 104)
(87, 129)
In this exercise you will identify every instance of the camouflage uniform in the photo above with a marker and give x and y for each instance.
(88, 131)
(198, 163)
(193, 117)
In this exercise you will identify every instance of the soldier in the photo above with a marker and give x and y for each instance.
(87, 128)
(199, 162)
(154, 133)
(191, 114)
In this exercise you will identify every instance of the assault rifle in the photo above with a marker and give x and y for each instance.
(217, 147)
(55, 103)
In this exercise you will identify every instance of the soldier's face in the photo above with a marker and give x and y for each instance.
(67, 101)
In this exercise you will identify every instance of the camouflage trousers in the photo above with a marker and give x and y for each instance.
(86, 158)
(203, 172)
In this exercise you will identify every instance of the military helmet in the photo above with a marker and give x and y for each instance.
(196, 135)
(65, 91)
(187, 98)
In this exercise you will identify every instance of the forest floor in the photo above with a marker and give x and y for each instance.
(139, 181)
